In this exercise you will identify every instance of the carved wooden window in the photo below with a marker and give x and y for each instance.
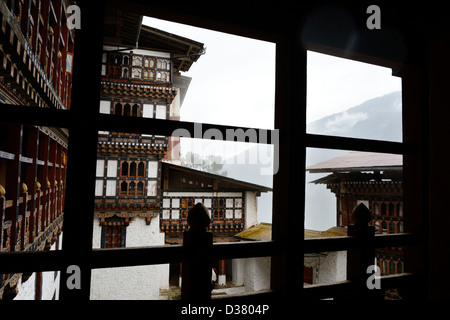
(136, 73)
(218, 208)
(123, 188)
(391, 211)
(383, 209)
(132, 169)
(186, 205)
(124, 171)
(132, 188)
(135, 110)
(140, 189)
(392, 227)
(399, 209)
(126, 109)
(137, 61)
(113, 237)
(376, 207)
(141, 169)
(113, 233)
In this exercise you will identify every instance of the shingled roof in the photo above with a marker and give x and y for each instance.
(125, 30)
(359, 161)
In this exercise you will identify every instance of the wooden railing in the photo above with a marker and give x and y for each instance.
(360, 245)
(198, 252)
(38, 222)
(35, 213)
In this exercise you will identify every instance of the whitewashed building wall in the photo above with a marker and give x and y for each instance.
(131, 283)
(252, 273)
(49, 283)
(328, 267)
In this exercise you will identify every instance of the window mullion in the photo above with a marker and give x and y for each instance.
(357, 144)
(140, 125)
(288, 218)
(79, 206)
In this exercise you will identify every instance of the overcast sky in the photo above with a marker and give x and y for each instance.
(234, 84)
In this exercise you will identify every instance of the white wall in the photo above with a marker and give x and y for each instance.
(253, 273)
(128, 283)
(49, 282)
(330, 267)
(26, 289)
(251, 216)
(257, 274)
(131, 283)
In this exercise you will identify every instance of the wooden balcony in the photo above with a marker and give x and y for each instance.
(38, 224)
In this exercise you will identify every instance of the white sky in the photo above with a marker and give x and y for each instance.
(336, 84)
(234, 82)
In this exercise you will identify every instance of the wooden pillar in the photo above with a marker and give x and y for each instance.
(290, 117)
(360, 260)
(13, 181)
(2, 214)
(439, 131)
(38, 210)
(77, 240)
(180, 278)
(43, 154)
(30, 180)
(197, 266)
(38, 286)
(222, 280)
(52, 180)
(23, 213)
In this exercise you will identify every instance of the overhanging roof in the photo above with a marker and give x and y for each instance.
(208, 179)
(359, 161)
(125, 29)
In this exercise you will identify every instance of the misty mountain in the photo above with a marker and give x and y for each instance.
(379, 118)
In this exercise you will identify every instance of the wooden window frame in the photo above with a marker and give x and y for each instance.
(290, 111)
